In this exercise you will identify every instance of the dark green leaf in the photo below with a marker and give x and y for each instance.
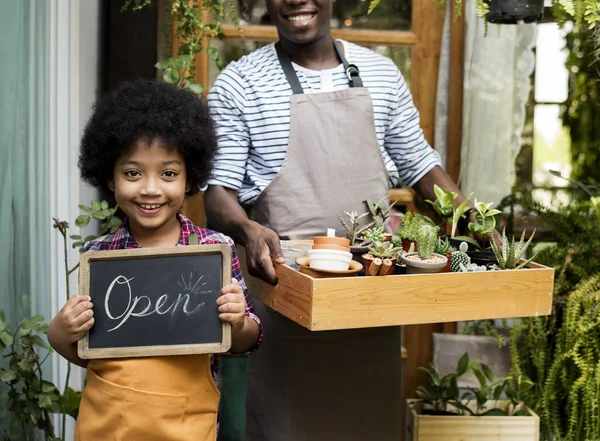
(488, 372)
(38, 341)
(75, 236)
(521, 412)
(463, 364)
(88, 238)
(7, 376)
(480, 376)
(213, 53)
(166, 63)
(78, 244)
(82, 221)
(86, 209)
(44, 401)
(453, 388)
(48, 387)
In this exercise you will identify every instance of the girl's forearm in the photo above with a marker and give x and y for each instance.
(245, 337)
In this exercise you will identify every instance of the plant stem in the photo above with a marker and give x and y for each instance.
(67, 274)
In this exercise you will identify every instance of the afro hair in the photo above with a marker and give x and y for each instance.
(145, 110)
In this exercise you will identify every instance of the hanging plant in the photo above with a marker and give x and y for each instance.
(195, 23)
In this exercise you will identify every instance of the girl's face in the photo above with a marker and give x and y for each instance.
(150, 182)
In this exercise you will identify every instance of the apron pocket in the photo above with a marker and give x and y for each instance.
(128, 414)
(151, 416)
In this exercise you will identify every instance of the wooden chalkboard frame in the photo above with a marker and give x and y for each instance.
(83, 349)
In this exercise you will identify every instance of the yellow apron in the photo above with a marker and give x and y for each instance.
(149, 399)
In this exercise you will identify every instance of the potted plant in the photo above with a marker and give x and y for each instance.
(480, 411)
(450, 212)
(443, 248)
(381, 259)
(509, 255)
(354, 229)
(406, 235)
(425, 260)
(482, 227)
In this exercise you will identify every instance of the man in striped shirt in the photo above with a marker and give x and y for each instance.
(308, 128)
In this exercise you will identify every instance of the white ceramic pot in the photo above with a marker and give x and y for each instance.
(329, 260)
(420, 267)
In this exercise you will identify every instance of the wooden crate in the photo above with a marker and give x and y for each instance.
(364, 302)
(470, 428)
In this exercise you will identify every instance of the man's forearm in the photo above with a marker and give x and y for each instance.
(225, 214)
(437, 175)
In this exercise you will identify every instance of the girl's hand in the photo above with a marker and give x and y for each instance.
(72, 321)
(232, 305)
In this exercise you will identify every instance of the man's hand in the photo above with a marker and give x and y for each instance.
(72, 321)
(263, 251)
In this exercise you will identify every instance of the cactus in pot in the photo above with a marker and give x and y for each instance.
(425, 260)
(459, 258)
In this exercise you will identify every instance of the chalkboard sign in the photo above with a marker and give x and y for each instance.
(155, 301)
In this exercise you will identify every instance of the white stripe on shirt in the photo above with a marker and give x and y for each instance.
(250, 104)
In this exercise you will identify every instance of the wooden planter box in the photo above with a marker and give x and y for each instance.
(470, 428)
(364, 302)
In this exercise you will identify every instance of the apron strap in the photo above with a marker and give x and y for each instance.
(351, 70)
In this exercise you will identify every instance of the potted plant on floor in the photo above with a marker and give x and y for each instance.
(425, 260)
(474, 413)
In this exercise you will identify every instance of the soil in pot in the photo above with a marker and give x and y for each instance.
(416, 265)
(515, 11)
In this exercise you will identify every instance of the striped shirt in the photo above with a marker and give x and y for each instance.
(250, 104)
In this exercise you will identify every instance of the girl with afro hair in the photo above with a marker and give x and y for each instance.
(151, 144)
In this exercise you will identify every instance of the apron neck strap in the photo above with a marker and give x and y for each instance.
(351, 70)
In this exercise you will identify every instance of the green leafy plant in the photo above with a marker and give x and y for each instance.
(196, 22)
(426, 240)
(508, 254)
(384, 250)
(446, 206)
(442, 246)
(410, 227)
(442, 396)
(379, 214)
(353, 227)
(373, 234)
(485, 219)
(31, 399)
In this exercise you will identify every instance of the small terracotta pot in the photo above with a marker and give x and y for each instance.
(329, 246)
(339, 241)
(406, 245)
(368, 259)
(446, 269)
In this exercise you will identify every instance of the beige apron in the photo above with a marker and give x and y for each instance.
(333, 385)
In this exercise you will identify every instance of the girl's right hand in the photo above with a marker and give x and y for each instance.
(72, 321)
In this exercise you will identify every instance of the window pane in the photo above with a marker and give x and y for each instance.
(349, 14)
(234, 49)
(551, 75)
(551, 147)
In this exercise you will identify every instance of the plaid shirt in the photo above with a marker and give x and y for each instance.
(122, 239)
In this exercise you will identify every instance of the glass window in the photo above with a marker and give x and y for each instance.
(347, 14)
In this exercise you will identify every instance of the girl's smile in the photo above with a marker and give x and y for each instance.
(150, 183)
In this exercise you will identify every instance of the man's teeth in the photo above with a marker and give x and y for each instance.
(150, 207)
(298, 18)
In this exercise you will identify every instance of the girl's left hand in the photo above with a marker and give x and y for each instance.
(232, 305)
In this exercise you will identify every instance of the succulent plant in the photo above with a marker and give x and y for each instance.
(374, 234)
(442, 246)
(472, 268)
(508, 254)
(384, 250)
(426, 240)
(459, 258)
(353, 226)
